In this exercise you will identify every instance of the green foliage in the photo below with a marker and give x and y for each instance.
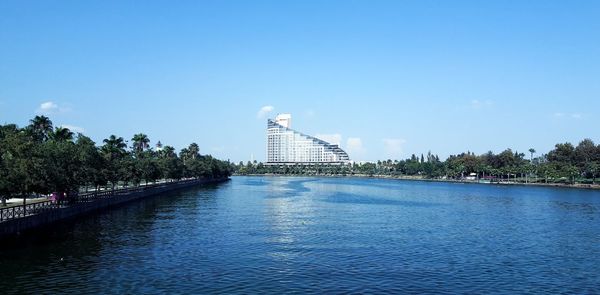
(38, 159)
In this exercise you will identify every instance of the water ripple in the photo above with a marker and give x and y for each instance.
(313, 236)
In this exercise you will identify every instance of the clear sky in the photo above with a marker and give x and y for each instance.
(386, 78)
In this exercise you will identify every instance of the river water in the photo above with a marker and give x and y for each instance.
(322, 235)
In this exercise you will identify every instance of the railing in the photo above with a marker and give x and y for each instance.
(19, 211)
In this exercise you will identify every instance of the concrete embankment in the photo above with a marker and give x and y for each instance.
(16, 226)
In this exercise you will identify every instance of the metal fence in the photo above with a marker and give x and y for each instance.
(20, 211)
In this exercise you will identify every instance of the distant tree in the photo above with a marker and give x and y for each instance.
(194, 150)
(562, 153)
(531, 151)
(140, 142)
(40, 128)
(61, 134)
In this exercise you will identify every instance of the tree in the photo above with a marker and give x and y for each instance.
(114, 153)
(91, 161)
(61, 134)
(148, 168)
(40, 128)
(531, 151)
(62, 166)
(562, 153)
(585, 153)
(38, 159)
(114, 147)
(13, 173)
(140, 142)
(170, 165)
(194, 150)
(22, 169)
(184, 154)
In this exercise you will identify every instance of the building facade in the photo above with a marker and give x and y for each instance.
(287, 146)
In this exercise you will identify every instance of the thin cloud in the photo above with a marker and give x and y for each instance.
(264, 111)
(478, 104)
(355, 148)
(393, 147)
(575, 116)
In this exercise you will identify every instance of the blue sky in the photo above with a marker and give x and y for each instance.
(386, 78)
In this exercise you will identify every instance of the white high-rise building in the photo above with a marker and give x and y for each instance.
(284, 120)
(287, 146)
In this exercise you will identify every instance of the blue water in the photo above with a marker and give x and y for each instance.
(322, 235)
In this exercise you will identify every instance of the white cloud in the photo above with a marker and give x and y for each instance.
(355, 148)
(575, 116)
(311, 113)
(48, 107)
(393, 147)
(74, 129)
(331, 138)
(264, 111)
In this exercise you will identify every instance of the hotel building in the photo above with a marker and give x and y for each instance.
(288, 146)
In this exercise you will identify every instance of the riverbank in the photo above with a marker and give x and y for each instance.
(418, 178)
(18, 219)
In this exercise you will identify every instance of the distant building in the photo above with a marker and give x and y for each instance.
(284, 120)
(287, 146)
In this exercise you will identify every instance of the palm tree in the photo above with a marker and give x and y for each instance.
(169, 151)
(114, 146)
(41, 126)
(140, 142)
(61, 134)
(532, 151)
(193, 150)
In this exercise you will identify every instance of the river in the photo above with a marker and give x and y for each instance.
(322, 235)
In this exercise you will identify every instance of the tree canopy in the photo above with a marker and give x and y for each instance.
(41, 159)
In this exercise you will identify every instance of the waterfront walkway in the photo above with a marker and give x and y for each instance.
(16, 209)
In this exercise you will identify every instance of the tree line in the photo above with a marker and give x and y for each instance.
(565, 163)
(42, 159)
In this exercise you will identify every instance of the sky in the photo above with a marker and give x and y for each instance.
(385, 79)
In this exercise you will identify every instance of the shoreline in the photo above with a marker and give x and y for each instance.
(409, 178)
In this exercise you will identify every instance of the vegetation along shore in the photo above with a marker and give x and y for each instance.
(40, 159)
(565, 165)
